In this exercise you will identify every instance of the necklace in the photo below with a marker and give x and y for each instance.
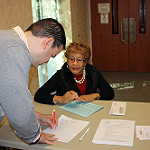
(82, 79)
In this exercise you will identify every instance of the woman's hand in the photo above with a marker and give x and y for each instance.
(70, 95)
(89, 97)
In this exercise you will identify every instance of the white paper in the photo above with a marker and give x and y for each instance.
(118, 108)
(67, 128)
(115, 132)
(143, 132)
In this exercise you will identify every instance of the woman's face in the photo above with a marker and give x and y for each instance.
(76, 63)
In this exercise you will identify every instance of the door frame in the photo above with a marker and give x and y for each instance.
(90, 31)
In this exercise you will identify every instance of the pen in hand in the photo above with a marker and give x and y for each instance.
(53, 113)
(84, 134)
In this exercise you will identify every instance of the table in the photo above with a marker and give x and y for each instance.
(138, 111)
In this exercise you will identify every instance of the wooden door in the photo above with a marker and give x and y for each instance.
(123, 43)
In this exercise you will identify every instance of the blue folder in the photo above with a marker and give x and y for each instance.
(83, 109)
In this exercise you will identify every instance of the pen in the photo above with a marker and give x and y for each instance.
(84, 134)
(53, 116)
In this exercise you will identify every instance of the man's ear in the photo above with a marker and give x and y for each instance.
(48, 41)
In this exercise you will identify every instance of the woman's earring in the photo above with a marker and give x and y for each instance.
(67, 65)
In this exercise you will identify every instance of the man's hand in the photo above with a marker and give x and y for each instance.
(46, 119)
(46, 138)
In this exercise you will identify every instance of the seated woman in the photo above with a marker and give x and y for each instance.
(76, 80)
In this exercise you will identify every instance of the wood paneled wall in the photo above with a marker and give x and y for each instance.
(80, 20)
(15, 12)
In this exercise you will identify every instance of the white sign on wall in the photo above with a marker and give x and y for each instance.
(104, 18)
(104, 9)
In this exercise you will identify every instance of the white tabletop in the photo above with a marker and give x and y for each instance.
(138, 111)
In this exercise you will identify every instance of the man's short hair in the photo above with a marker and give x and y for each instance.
(50, 28)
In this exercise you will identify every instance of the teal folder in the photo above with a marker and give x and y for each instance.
(83, 109)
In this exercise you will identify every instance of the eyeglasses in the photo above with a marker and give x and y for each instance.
(72, 60)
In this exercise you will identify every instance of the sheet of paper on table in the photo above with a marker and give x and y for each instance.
(67, 128)
(143, 132)
(83, 109)
(118, 108)
(115, 132)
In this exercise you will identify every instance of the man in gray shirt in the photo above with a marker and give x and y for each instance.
(18, 51)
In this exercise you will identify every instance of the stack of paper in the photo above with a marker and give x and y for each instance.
(67, 128)
(83, 109)
(115, 132)
(143, 132)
